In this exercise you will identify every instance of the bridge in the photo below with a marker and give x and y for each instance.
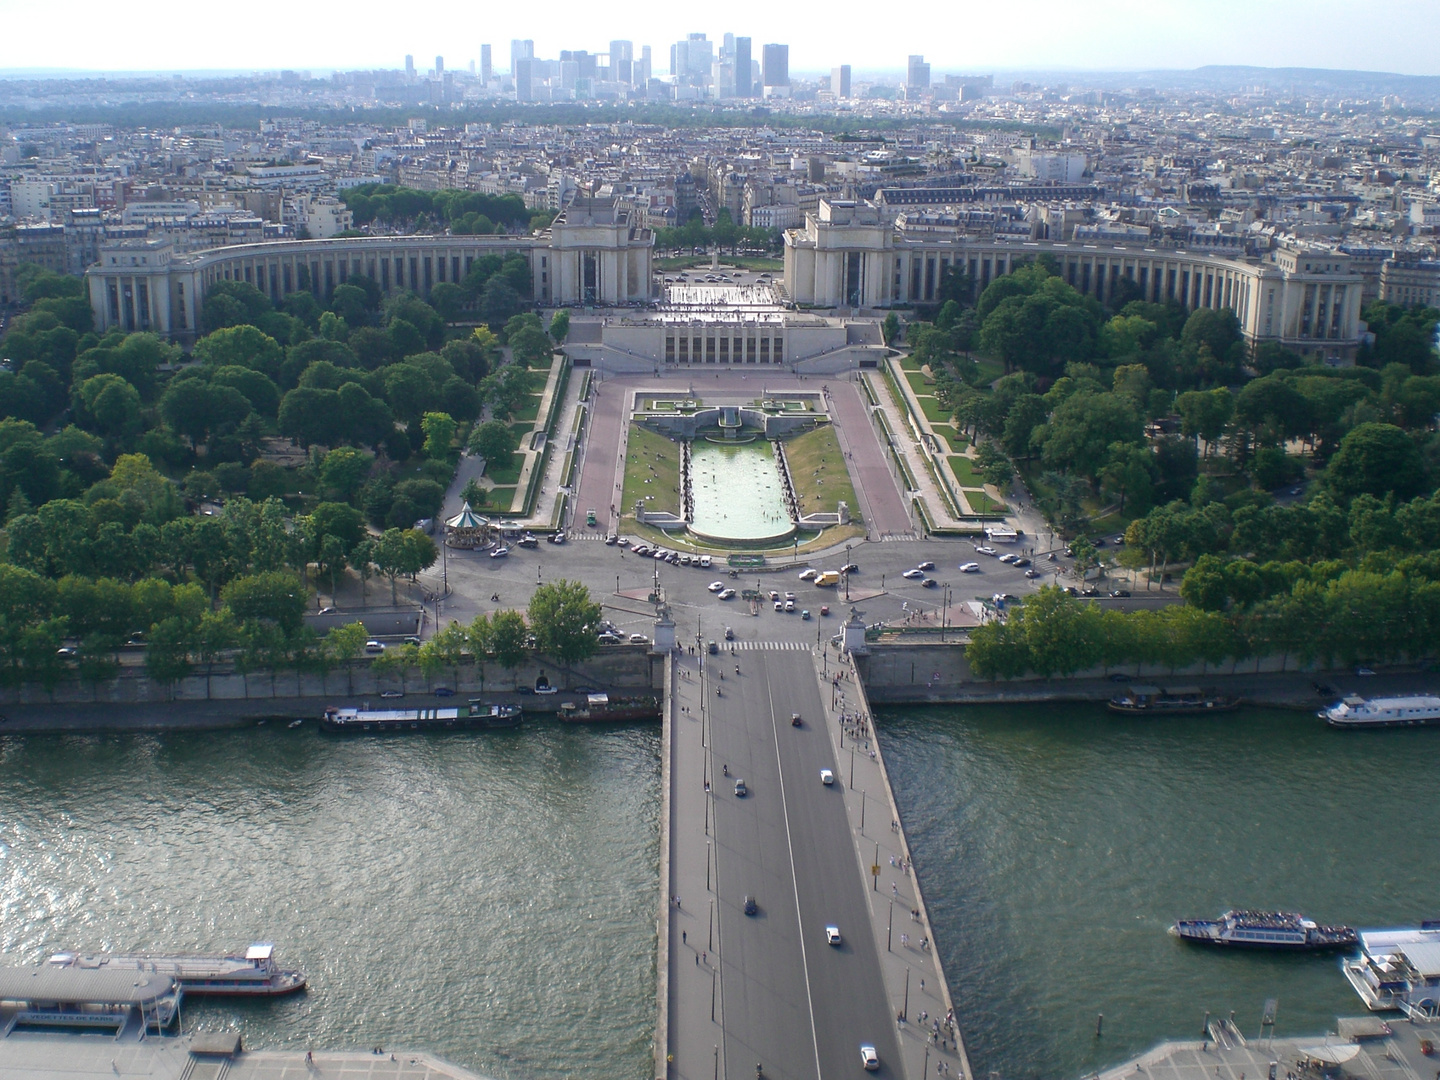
(742, 989)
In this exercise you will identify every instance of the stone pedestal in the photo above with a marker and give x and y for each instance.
(663, 636)
(853, 634)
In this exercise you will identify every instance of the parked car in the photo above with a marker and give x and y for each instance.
(1120, 592)
(444, 691)
(547, 689)
(326, 611)
(774, 594)
(705, 561)
(789, 605)
(373, 646)
(389, 694)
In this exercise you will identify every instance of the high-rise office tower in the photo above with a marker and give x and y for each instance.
(840, 81)
(521, 72)
(917, 74)
(742, 68)
(520, 50)
(727, 49)
(647, 60)
(701, 55)
(486, 69)
(409, 66)
(622, 62)
(439, 66)
(775, 67)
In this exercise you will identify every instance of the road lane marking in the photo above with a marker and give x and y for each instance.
(794, 882)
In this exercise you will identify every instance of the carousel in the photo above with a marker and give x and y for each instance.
(467, 529)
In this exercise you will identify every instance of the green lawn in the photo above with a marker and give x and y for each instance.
(950, 434)
(934, 411)
(982, 503)
(817, 469)
(909, 363)
(503, 473)
(964, 470)
(990, 370)
(527, 412)
(498, 500)
(919, 382)
(652, 472)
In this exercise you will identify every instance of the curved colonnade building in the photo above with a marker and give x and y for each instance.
(591, 255)
(853, 255)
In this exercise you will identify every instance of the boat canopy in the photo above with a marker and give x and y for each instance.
(1424, 957)
(261, 950)
(1331, 1055)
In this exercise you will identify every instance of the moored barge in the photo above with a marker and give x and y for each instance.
(1176, 701)
(476, 715)
(253, 975)
(1265, 930)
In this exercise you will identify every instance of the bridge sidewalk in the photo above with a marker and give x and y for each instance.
(691, 1020)
(914, 980)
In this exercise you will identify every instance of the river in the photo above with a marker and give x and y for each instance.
(490, 898)
(1055, 844)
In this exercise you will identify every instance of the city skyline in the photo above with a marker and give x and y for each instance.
(1121, 36)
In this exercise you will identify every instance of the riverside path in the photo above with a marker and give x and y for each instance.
(766, 989)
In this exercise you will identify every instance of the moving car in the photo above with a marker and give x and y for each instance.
(1119, 592)
(981, 549)
(1032, 573)
(789, 605)
(808, 573)
(750, 906)
(824, 609)
(926, 565)
(373, 646)
(500, 553)
(712, 648)
(547, 689)
(639, 639)
(913, 575)
(608, 638)
(556, 538)
(929, 583)
(728, 594)
(832, 935)
(805, 614)
(527, 541)
(444, 691)
(969, 567)
(611, 540)
(779, 605)
(392, 693)
(740, 789)
(850, 568)
(869, 1058)
(789, 596)
(795, 719)
(716, 586)
(729, 634)
(827, 777)
(1021, 561)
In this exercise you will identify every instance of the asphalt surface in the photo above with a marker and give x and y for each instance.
(792, 1003)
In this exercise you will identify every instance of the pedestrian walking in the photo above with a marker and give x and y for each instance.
(683, 937)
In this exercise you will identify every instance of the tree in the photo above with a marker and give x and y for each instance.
(110, 404)
(1082, 430)
(344, 644)
(560, 326)
(890, 328)
(1204, 413)
(243, 346)
(274, 597)
(530, 346)
(564, 619)
(508, 635)
(194, 408)
(494, 441)
(439, 431)
(1130, 473)
(1379, 459)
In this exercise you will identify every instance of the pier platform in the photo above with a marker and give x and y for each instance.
(81, 1057)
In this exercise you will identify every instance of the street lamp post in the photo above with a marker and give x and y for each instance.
(847, 573)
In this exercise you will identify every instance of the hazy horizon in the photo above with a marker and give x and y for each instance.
(1113, 36)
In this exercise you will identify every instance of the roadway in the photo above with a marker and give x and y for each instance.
(788, 1001)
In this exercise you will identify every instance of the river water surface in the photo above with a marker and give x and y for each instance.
(490, 898)
(1055, 844)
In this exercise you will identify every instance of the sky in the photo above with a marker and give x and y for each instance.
(971, 36)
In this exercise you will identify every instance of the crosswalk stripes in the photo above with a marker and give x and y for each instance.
(794, 646)
(888, 538)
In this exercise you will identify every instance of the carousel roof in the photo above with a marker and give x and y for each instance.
(467, 519)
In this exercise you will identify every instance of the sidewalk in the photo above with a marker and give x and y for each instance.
(937, 505)
(914, 980)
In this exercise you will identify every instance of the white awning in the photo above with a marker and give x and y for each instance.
(1332, 1055)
